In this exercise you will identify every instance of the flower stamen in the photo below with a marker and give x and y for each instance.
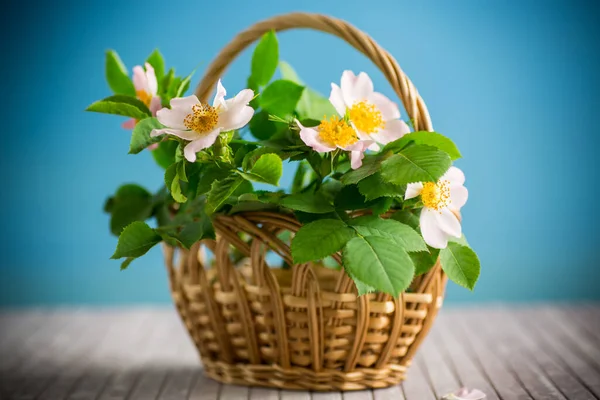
(366, 117)
(202, 119)
(436, 196)
(144, 97)
(336, 132)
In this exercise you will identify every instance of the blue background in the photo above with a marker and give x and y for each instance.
(514, 83)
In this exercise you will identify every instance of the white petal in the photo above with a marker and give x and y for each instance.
(454, 175)
(389, 110)
(185, 102)
(432, 234)
(151, 82)
(235, 118)
(185, 135)
(173, 118)
(448, 222)
(337, 99)
(393, 130)
(413, 190)
(155, 105)
(310, 137)
(458, 195)
(220, 95)
(203, 142)
(356, 158)
(356, 88)
(139, 78)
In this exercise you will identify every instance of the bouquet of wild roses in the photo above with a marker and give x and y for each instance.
(365, 185)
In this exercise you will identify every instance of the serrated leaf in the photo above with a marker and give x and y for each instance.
(434, 139)
(312, 104)
(415, 164)
(407, 217)
(461, 264)
(264, 59)
(280, 97)
(424, 260)
(173, 183)
(308, 202)
(121, 105)
(379, 262)
(195, 231)
(117, 76)
(269, 168)
(320, 239)
(221, 190)
(158, 63)
(130, 203)
(135, 240)
(374, 186)
(261, 127)
(164, 154)
(371, 165)
(208, 176)
(140, 137)
(251, 157)
(403, 235)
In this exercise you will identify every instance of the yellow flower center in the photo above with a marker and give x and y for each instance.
(336, 132)
(366, 117)
(203, 118)
(436, 196)
(144, 97)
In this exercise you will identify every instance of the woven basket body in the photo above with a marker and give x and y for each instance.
(303, 327)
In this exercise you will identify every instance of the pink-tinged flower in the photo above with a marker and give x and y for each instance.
(200, 123)
(441, 201)
(332, 134)
(146, 87)
(374, 116)
(465, 394)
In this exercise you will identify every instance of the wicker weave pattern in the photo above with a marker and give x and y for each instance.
(303, 327)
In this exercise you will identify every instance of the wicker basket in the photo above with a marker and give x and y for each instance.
(303, 327)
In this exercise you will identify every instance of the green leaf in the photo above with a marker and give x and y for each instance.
(407, 217)
(135, 240)
(424, 260)
(371, 165)
(426, 138)
(130, 203)
(195, 231)
(374, 186)
(158, 63)
(264, 59)
(261, 127)
(140, 137)
(380, 263)
(415, 164)
(312, 105)
(164, 154)
(208, 176)
(403, 235)
(121, 105)
(461, 264)
(314, 203)
(184, 85)
(269, 168)
(221, 191)
(381, 205)
(253, 156)
(280, 97)
(349, 198)
(126, 263)
(320, 239)
(117, 76)
(173, 183)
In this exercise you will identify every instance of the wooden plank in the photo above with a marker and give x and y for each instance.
(439, 374)
(458, 357)
(294, 395)
(205, 388)
(582, 320)
(358, 395)
(234, 392)
(497, 331)
(178, 384)
(257, 393)
(416, 386)
(468, 329)
(391, 393)
(571, 362)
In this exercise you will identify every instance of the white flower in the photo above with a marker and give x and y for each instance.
(146, 88)
(333, 134)
(200, 123)
(373, 115)
(465, 394)
(440, 202)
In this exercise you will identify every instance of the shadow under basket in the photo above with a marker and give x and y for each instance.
(297, 328)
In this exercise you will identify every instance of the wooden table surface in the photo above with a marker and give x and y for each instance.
(536, 352)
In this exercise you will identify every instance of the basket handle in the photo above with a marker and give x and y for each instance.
(414, 105)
